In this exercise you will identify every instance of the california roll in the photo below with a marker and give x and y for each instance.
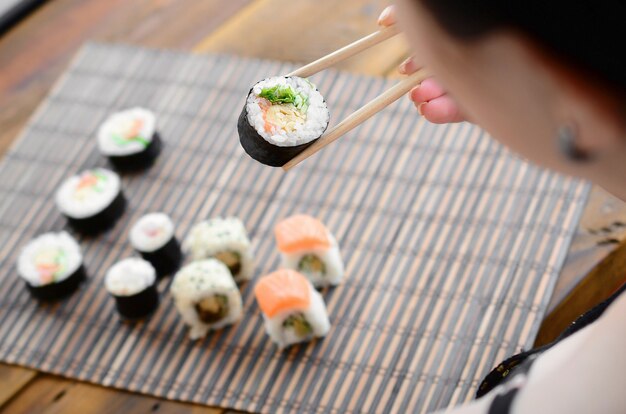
(224, 239)
(206, 297)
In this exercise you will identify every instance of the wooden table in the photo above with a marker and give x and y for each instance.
(35, 52)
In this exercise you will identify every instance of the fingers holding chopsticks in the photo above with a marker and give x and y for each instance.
(430, 99)
(387, 19)
(434, 104)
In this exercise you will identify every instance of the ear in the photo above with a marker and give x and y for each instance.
(598, 114)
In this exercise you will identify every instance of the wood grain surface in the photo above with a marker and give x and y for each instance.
(309, 29)
(49, 394)
(35, 52)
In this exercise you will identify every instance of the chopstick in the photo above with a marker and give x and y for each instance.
(346, 52)
(360, 116)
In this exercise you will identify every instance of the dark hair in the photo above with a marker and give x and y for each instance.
(591, 34)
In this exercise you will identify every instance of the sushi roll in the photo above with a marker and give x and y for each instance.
(292, 309)
(153, 237)
(307, 246)
(132, 282)
(224, 239)
(51, 265)
(206, 296)
(282, 116)
(129, 139)
(92, 201)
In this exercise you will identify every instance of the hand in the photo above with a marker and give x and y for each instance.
(430, 99)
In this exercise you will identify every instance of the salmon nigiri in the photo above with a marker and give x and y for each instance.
(292, 309)
(306, 245)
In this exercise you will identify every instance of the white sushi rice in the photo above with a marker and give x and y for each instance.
(210, 237)
(330, 257)
(317, 114)
(129, 277)
(44, 248)
(316, 315)
(151, 232)
(117, 125)
(82, 203)
(200, 280)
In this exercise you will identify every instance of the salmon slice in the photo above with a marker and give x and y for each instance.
(282, 290)
(301, 232)
(135, 128)
(86, 181)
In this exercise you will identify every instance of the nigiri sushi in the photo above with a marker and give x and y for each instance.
(292, 309)
(306, 245)
(281, 117)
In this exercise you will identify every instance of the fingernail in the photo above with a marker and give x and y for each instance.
(419, 108)
(403, 66)
(384, 15)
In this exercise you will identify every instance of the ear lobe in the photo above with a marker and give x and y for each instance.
(597, 114)
(599, 129)
(567, 141)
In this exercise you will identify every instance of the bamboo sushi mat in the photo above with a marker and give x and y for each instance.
(452, 245)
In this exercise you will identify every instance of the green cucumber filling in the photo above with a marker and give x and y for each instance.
(123, 141)
(310, 263)
(231, 259)
(212, 308)
(281, 94)
(299, 324)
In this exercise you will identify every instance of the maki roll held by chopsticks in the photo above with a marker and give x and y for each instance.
(294, 140)
(281, 117)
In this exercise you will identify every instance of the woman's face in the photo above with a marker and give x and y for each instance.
(506, 88)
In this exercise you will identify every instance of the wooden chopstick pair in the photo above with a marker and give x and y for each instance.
(366, 111)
